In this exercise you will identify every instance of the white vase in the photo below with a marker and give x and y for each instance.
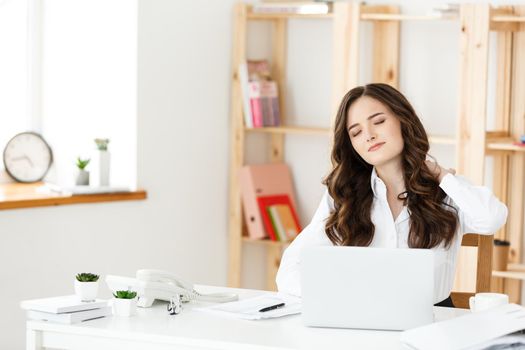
(101, 169)
(124, 307)
(86, 291)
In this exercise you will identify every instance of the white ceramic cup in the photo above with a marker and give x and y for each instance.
(485, 301)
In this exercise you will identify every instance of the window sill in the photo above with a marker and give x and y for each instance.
(16, 195)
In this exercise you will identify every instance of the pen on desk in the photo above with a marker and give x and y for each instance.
(273, 307)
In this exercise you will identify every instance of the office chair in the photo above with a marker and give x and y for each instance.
(484, 267)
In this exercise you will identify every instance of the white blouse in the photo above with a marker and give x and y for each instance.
(479, 211)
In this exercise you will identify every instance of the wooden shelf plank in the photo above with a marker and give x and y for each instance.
(504, 144)
(265, 242)
(369, 16)
(16, 196)
(517, 275)
(508, 18)
(401, 17)
(291, 130)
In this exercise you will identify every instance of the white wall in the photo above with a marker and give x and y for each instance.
(182, 143)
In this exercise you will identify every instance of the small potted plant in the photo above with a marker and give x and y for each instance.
(125, 303)
(86, 286)
(82, 175)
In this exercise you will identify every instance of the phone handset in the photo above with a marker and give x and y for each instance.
(161, 276)
(170, 283)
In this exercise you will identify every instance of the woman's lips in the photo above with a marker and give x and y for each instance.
(376, 147)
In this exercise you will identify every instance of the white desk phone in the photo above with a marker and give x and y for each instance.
(162, 285)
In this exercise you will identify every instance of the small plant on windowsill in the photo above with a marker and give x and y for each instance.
(83, 174)
(125, 303)
(86, 286)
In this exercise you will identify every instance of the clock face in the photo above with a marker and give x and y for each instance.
(27, 157)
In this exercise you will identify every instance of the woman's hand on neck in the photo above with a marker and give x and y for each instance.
(438, 171)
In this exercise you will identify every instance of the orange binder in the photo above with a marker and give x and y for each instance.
(262, 180)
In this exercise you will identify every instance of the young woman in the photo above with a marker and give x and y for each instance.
(383, 192)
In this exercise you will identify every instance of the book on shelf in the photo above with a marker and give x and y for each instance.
(262, 180)
(254, 88)
(260, 95)
(270, 103)
(449, 10)
(62, 304)
(274, 224)
(245, 92)
(69, 317)
(284, 221)
(292, 7)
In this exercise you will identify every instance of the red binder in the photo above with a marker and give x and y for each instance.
(265, 202)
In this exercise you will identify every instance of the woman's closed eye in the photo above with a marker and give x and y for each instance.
(357, 132)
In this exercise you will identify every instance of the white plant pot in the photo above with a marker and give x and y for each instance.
(124, 307)
(82, 178)
(101, 168)
(86, 291)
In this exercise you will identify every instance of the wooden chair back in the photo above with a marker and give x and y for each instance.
(484, 267)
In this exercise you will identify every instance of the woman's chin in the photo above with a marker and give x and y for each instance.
(379, 159)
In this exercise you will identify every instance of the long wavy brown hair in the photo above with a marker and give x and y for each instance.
(432, 221)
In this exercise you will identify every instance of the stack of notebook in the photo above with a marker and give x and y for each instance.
(66, 309)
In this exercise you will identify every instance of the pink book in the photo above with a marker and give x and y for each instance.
(255, 103)
(262, 180)
(269, 97)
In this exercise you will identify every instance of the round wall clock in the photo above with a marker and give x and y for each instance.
(27, 157)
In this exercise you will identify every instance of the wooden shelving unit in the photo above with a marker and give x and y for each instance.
(344, 22)
(508, 159)
(472, 143)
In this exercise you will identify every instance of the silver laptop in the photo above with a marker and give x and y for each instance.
(367, 288)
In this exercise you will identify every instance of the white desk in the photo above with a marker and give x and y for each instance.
(154, 328)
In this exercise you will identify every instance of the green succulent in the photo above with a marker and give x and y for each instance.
(82, 163)
(102, 144)
(125, 294)
(87, 277)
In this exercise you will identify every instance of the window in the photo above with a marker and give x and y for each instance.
(81, 56)
(13, 70)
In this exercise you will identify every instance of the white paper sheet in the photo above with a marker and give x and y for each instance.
(248, 309)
